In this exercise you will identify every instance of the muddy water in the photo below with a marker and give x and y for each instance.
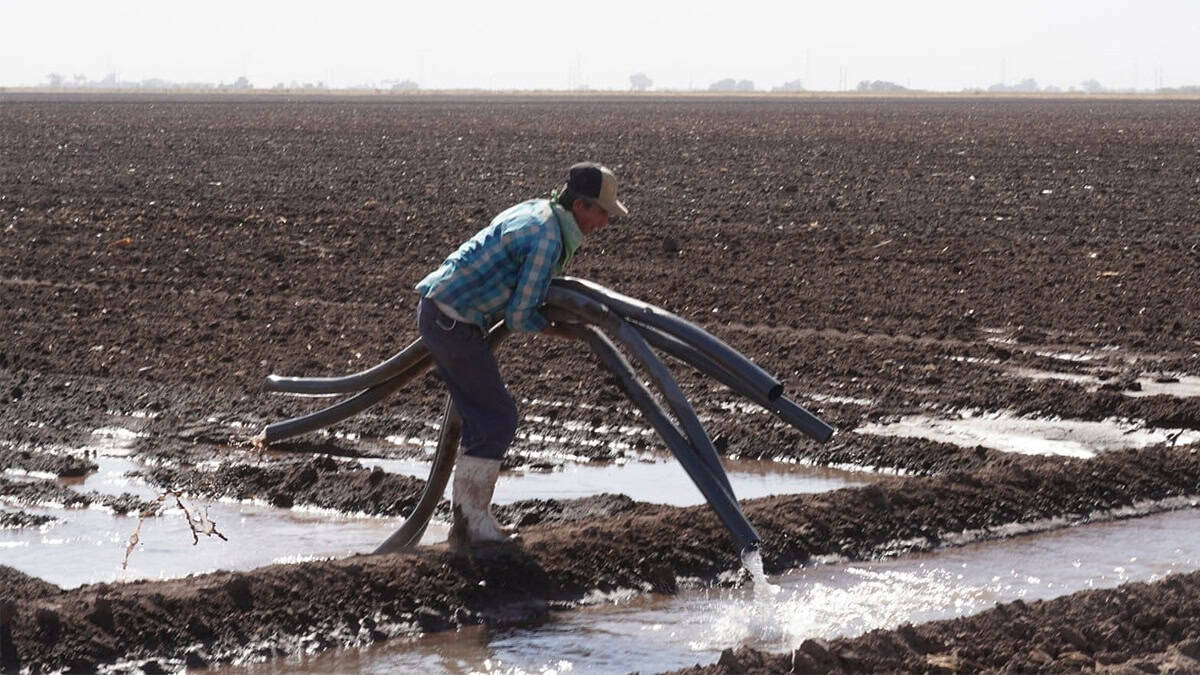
(89, 545)
(623, 633)
(657, 482)
(1183, 386)
(1037, 436)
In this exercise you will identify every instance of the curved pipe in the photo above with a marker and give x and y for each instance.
(364, 379)
(721, 500)
(596, 313)
(782, 407)
(573, 300)
(409, 534)
(361, 401)
(762, 382)
(340, 411)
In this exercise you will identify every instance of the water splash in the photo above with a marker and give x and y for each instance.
(763, 589)
(834, 602)
(759, 620)
(498, 667)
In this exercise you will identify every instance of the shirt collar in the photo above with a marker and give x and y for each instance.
(571, 234)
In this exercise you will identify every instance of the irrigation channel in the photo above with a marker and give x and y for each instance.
(621, 633)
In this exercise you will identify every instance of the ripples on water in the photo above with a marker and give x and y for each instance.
(655, 633)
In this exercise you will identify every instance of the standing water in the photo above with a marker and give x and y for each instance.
(651, 633)
(88, 545)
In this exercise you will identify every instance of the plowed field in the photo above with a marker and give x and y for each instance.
(886, 258)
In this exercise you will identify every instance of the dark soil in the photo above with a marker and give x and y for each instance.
(32, 492)
(15, 519)
(883, 257)
(312, 481)
(63, 466)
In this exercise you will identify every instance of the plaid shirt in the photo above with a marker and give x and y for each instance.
(503, 271)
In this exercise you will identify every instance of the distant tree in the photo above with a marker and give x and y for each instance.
(727, 84)
(1028, 85)
(1091, 86)
(55, 80)
(640, 82)
(794, 85)
(405, 85)
(745, 85)
(242, 83)
(880, 86)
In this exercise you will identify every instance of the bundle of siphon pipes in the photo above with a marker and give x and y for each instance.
(592, 313)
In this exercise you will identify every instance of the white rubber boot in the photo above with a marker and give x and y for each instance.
(471, 502)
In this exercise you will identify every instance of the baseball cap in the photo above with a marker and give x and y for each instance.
(597, 182)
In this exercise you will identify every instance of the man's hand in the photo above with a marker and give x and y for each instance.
(558, 330)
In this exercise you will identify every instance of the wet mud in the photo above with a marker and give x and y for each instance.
(62, 466)
(15, 519)
(884, 258)
(321, 482)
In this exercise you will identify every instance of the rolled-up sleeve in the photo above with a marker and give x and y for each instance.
(542, 250)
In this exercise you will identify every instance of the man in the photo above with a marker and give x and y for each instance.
(502, 273)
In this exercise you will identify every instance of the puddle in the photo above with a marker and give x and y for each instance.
(654, 633)
(654, 482)
(88, 545)
(114, 441)
(1070, 357)
(846, 400)
(1184, 386)
(1031, 436)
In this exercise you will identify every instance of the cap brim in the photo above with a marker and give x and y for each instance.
(614, 208)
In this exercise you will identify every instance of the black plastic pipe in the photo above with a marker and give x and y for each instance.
(579, 302)
(719, 499)
(783, 407)
(396, 365)
(596, 313)
(340, 411)
(409, 534)
(762, 382)
(361, 401)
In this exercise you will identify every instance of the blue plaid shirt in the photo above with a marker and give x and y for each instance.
(504, 271)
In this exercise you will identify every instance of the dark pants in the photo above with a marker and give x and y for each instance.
(460, 353)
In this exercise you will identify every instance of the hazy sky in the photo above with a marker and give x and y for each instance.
(942, 45)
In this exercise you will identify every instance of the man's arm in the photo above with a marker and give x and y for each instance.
(542, 251)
